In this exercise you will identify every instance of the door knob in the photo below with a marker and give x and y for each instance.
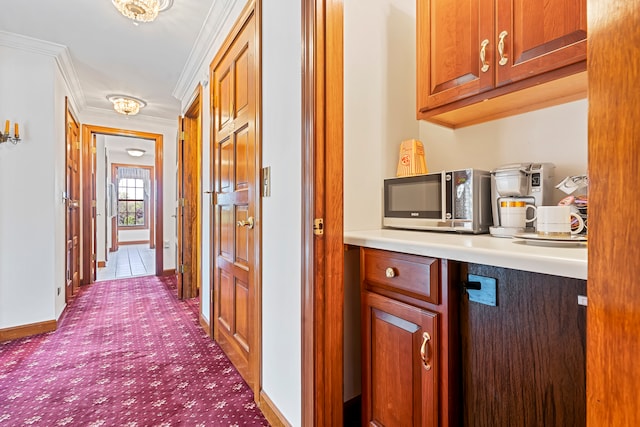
(245, 223)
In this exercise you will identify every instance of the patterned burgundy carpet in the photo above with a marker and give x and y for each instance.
(127, 353)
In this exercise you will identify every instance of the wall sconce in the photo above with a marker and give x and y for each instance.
(4, 137)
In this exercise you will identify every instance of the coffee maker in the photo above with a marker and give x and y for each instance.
(531, 183)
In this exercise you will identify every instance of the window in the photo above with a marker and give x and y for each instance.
(131, 203)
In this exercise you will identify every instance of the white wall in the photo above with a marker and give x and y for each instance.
(30, 194)
(281, 232)
(557, 134)
(379, 103)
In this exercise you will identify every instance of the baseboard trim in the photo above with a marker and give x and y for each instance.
(169, 272)
(205, 326)
(102, 264)
(27, 330)
(271, 412)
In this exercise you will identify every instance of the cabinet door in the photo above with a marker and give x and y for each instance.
(400, 363)
(539, 36)
(449, 39)
(524, 360)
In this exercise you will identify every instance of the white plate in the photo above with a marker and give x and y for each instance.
(535, 239)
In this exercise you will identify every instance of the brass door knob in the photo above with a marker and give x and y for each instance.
(390, 272)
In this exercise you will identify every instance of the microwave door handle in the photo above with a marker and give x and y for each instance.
(444, 197)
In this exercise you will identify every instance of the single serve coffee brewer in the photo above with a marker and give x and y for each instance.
(516, 191)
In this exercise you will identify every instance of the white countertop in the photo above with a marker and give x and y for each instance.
(566, 261)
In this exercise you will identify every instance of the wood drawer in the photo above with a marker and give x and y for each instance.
(411, 275)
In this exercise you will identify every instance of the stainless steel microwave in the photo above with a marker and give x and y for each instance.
(457, 200)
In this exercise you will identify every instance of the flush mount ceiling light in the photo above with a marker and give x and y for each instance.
(142, 10)
(135, 152)
(127, 105)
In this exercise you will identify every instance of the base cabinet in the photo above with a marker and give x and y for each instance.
(524, 360)
(399, 350)
(409, 340)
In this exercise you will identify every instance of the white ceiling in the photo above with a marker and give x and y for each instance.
(112, 55)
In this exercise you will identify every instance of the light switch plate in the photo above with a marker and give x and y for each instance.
(487, 294)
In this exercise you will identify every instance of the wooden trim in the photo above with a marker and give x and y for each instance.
(87, 131)
(102, 264)
(271, 411)
(322, 260)
(170, 272)
(27, 330)
(613, 316)
(193, 116)
(134, 242)
(204, 324)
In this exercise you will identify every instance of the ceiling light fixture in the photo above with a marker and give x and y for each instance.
(127, 105)
(142, 10)
(135, 152)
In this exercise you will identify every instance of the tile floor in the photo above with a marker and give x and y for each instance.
(128, 261)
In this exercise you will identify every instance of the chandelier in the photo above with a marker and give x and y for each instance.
(127, 105)
(142, 10)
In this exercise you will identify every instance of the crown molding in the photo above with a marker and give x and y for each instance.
(57, 51)
(209, 35)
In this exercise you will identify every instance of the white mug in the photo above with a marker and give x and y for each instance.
(514, 214)
(555, 221)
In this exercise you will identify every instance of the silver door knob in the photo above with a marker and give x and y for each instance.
(245, 223)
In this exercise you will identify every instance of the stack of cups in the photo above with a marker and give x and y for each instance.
(558, 222)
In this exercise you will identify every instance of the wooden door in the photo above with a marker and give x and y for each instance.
(450, 38)
(399, 388)
(72, 199)
(613, 314)
(93, 248)
(189, 201)
(236, 275)
(539, 36)
(179, 215)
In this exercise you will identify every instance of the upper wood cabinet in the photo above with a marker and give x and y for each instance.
(477, 52)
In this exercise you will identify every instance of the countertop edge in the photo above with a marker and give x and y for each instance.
(460, 248)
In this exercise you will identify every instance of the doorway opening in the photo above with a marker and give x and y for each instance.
(98, 210)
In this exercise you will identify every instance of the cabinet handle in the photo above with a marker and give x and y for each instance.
(423, 350)
(483, 55)
(501, 37)
(390, 272)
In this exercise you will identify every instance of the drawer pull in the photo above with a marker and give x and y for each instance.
(423, 350)
(390, 272)
(483, 56)
(503, 59)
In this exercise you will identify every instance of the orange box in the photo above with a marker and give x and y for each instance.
(411, 160)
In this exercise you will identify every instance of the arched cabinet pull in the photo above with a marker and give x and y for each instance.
(423, 350)
(483, 55)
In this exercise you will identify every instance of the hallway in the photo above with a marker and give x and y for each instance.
(127, 352)
(128, 261)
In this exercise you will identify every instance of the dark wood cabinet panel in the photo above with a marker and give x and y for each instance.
(523, 361)
(400, 352)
